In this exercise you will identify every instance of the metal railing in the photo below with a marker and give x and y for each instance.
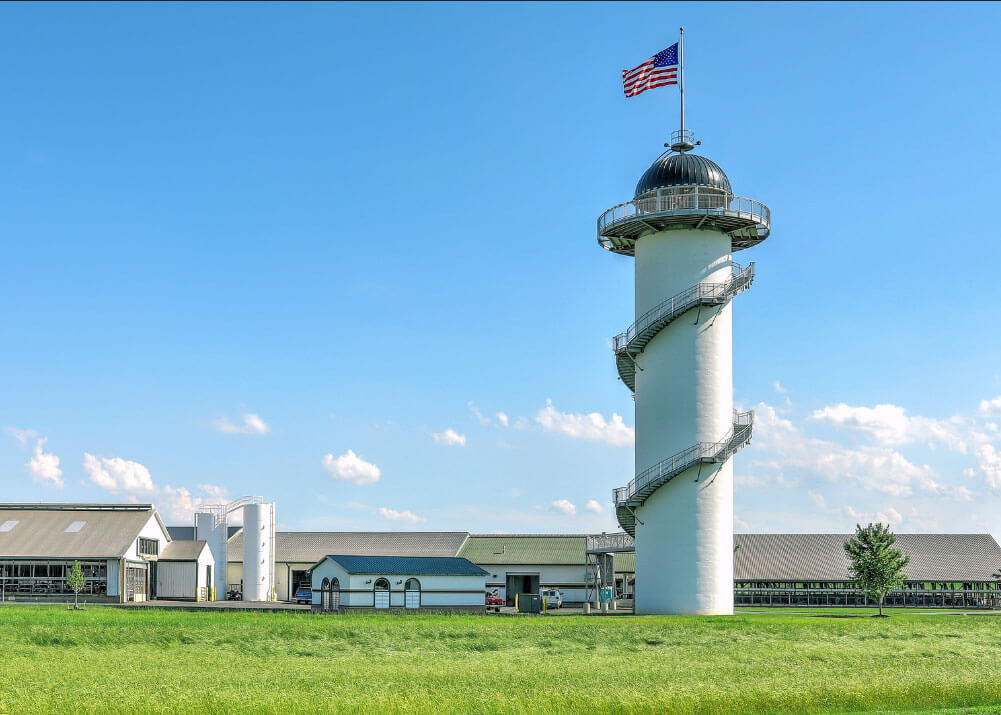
(221, 511)
(685, 301)
(604, 543)
(682, 199)
(699, 452)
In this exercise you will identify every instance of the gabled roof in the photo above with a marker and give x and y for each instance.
(821, 557)
(308, 547)
(406, 565)
(178, 550)
(498, 549)
(98, 530)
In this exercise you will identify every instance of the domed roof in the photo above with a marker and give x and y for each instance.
(681, 170)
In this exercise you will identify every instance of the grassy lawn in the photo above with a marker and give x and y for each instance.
(151, 660)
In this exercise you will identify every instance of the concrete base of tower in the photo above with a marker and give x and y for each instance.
(684, 545)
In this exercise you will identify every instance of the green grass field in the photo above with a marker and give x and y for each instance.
(106, 659)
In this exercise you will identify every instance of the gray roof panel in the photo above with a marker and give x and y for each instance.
(41, 533)
(308, 547)
(408, 565)
(821, 557)
(178, 550)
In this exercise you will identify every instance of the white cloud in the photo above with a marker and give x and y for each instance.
(450, 437)
(778, 387)
(889, 516)
(394, 515)
(565, 506)
(350, 467)
(989, 461)
(991, 408)
(252, 424)
(502, 418)
(117, 474)
(480, 417)
(594, 505)
(215, 492)
(818, 500)
(890, 425)
(592, 426)
(23, 436)
(876, 468)
(44, 467)
(751, 481)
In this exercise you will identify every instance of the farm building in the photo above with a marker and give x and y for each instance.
(411, 583)
(526, 563)
(297, 551)
(117, 545)
(184, 571)
(946, 571)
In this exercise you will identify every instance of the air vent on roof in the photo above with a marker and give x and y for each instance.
(75, 527)
(8, 525)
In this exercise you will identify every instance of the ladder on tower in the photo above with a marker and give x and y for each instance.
(629, 344)
(634, 494)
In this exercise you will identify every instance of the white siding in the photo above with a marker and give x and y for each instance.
(568, 578)
(436, 591)
(178, 579)
(114, 577)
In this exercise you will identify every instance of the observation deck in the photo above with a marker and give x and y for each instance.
(748, 222)
(648, 481)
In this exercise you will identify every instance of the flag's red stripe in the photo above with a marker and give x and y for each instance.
(626, 73)
(642, 88)
(654, 73)
(668, 74)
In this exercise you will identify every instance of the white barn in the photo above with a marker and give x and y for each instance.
(409, 583)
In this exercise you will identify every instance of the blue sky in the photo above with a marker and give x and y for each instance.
(312, 251)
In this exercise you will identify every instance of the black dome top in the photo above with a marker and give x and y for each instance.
(681, 170)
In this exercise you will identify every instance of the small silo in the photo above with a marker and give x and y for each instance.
(259, 552)
(211, 527)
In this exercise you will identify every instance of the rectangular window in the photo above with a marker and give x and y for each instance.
(75, 527)
(8, 525)
(148, 547)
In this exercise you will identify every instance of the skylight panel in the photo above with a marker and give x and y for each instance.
(8, 525)
(75, 527)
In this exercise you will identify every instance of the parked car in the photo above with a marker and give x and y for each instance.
(553, 596)
(304, 594)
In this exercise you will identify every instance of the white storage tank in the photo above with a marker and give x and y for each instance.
(259, 552)
(214, 530)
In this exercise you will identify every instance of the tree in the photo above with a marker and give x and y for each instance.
(876, 567)
(76, 581)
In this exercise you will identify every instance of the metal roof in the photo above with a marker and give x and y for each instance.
(187, 533)
(308, 547)
(408, 565)
(682, 170)
(182, 550)
(41, 533)
(821, 557)
(524, 548)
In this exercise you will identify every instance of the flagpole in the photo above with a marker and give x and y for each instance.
(681, 74)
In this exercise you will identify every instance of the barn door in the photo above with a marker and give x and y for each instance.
(412, 598)
(382, 593)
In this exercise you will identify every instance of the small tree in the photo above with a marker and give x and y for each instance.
(876, 567)
(76, 581)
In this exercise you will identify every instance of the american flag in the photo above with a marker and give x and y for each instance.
(659, 70)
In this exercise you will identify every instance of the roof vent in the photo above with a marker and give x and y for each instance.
(75, 527)
(8, 525)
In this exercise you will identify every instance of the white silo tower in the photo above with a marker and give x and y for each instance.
(212, 525)
(682, 226)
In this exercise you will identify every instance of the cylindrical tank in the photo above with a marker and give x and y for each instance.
(684, 395)
(217, 536)
(258, 552)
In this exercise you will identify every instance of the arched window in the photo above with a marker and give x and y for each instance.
(412, 597)
(381, 593)
(325, 595)
(335, 595)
